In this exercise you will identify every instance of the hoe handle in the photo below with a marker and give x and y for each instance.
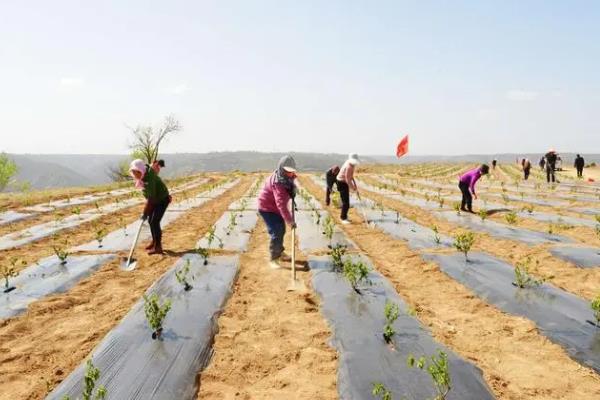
(294, 242)
(137, 236)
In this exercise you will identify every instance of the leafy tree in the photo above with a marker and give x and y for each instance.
(8, 169)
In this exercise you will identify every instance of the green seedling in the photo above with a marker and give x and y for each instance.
(335, 200)
(232, 223)
(550, 228)
(212, 236)
(463, 243)
(522, 277)
(511, 218)
(391, 312)
(204, 253)
(529, 208)
(436, 234)
(156, 313)
(597, 216)
(456, 207)
(337, 253)
(483, 214)
(598, 231)
(61, 252)
(92, 374)
(441, 201)
(8, 272)
(76, 211)
(439, 370)
(100, 235)
(182, 274)
(505, 198)
(381, 392)
(123, 225)
(356, 273)
(328, 228)
(97, 205)
(397, 217)
(595, 305)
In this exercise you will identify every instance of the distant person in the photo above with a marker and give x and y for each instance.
(345, 182)
(157, 165)
(551, 157)
(157, 200)
(467, 182)
(526, 168)
(273, 205)
(542, 163)
(494, 162)
(579, 164)
(330, 179)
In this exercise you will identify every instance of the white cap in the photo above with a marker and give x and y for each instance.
(353, 159)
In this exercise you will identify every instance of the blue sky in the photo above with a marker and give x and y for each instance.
(325, 76)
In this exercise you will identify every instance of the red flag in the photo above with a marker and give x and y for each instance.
(402, 148)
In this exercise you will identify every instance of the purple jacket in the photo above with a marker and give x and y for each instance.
(274, 198)
(471, 178)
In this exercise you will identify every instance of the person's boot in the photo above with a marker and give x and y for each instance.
(157, 249)
(150, 246)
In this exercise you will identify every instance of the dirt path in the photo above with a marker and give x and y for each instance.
(517, 362)
(272, 344)
(41, 347)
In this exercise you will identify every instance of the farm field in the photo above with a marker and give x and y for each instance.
(499, 303)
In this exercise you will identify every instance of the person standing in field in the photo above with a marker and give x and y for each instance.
(466, 184)
(579, 164)
(542, 163)
(551, 157)
(526, 168)
(494, 162)
(157, 200)
(330, 177)
(157, 165)
(273, 206)
(345, 182)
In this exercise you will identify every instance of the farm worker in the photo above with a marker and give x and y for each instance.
(273, 205)
(579, 164)
(467, 182)
(526, 168)
(345, 182)
(157, 200)
(330, 179)
(542, 163)
(157, 165)
(494, 162)
(550, 158)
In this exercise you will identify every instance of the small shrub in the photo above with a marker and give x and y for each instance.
(595, 305)
(182, 275)
(380, 391)
(61, 252)
(8, 272)
(92, 374)
(522, 277)
(204, 253)
(439, 370)
(457, 208)
(483, 214)
(356, 272)
(156, 313)
(511, 218)
(100, 235)
(436, 234)
(337, 254)
(463, 242)
(391, 312)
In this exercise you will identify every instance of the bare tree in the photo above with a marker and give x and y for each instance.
(147, 139)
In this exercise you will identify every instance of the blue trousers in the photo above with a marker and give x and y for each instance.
(276, 228)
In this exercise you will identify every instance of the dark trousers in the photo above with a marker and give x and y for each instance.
(579, 172)
(276, 228)
(328, 192)
(467, 198)
(154, 221)
(344, 190)
(550, 174)
(526, 173)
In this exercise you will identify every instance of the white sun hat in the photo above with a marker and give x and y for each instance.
(353, 159)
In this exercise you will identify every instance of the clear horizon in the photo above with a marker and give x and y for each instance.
(460, 77)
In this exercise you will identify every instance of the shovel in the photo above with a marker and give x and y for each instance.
(130, 262)
(295, 284)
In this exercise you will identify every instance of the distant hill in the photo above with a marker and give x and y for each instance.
(64, 170)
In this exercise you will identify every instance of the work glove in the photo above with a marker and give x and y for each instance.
(144, 217)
